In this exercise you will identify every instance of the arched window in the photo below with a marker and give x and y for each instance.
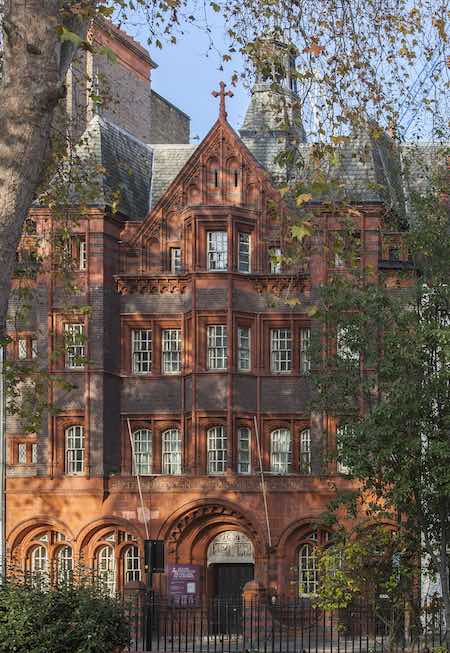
(307, 569)
(64, 564)
(105, 564)
(142, 441)
(213, 178)
(74, 449)
(38, 564)
(305, 452)
(280, 451)
(217, 450)
(132, 565)
(171, 452)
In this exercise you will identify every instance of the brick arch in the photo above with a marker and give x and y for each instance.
(190, 529)
(88, 533)
(22, 530)
(291, 534)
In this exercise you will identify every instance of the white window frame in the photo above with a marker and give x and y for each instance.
(82, 254)
(143, 452)
(141, 351)
(171, 351)
(132, 564)
(106, 567)
(308, 578)
(275, 266)
(341, 468)
(281, 350)
(34, 347)
(217, 451)
(176, 264)
(244, 351)
(171, 451)
(22, 349)
(34, 453)
(74, 345)
(38, 557)
(281, 451)
(244, 252)
(217, 354)
(217, 250)
(244, 450)
(64, 564)
(305, 452)
(74, 449)
(305, 350)
(22, 453)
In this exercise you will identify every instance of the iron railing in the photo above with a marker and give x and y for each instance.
(283, 626)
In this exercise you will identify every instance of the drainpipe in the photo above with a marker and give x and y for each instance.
(2, 465)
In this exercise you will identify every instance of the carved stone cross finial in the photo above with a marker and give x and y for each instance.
(222, 93)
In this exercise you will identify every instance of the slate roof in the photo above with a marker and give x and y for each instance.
(271, 125)
(121, 166)
(168, 160)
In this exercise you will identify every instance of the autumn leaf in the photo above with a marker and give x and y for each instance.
(299, 231)
(302, 198)
(315, 49)
(312, 310)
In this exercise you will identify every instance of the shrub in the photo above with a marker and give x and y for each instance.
(73, 618)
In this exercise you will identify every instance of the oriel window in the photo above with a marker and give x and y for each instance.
(141, 351)
(217, 347)
(281, 350)
(217, 250)
(244, 252)
(171, 351)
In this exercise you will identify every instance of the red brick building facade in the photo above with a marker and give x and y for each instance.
(191, 356)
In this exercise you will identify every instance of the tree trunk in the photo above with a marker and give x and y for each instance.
(34, 67)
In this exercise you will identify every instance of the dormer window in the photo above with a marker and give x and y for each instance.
(217, 252)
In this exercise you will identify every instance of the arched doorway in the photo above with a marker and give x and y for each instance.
(231, 564)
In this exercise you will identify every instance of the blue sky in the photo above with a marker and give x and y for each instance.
(187, 73)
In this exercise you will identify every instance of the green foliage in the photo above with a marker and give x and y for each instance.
(79, 619)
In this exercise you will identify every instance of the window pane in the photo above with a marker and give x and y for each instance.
(244, 252)
(217, 450)
(305, 350)
(39, 565)
(344, 347)
(217, 347)
(82, 261)
(22, 453)
(275, 260)
(341, 468)
(22, 348)
(74, 450)
(171, 452)
(142, 440)
(106, 568)
(141, 340)
(34, 452)
(244, 349)
(75, 346)
(217, 253)
(34, 348)
(175, 259)
(244, 466)
(64, 564)
(132, 566)
(281, 451)
(305, 452)
(281, 350)
(307, 569)
(171, 351)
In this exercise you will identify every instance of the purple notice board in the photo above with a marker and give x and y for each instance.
(183, 583)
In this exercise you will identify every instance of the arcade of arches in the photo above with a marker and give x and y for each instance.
(220, 547)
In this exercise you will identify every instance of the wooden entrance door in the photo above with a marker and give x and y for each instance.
(229, 581)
